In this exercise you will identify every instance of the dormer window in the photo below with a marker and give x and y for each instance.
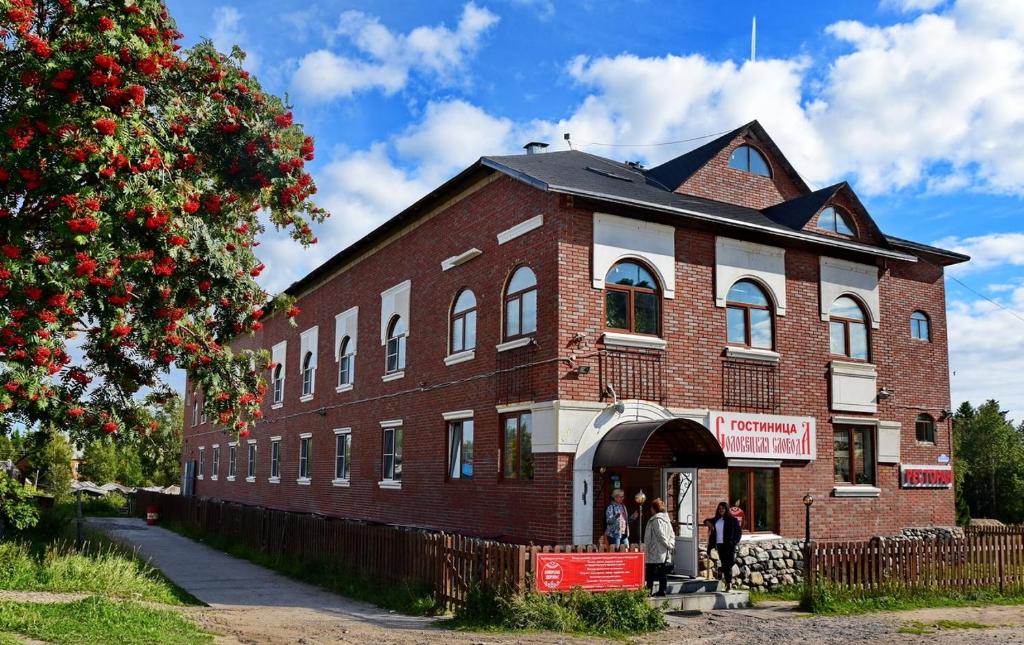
(835, 221)
(748, 159)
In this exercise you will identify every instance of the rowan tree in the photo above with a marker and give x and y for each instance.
(134, 179)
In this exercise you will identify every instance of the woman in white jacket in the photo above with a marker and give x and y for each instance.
(659, 545)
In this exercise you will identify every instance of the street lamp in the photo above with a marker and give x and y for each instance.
(640, 498)
(808, 501)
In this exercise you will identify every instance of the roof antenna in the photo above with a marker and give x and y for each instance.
(567, 140)
(753, 40)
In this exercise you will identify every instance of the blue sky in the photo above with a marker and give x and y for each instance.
(918, 103)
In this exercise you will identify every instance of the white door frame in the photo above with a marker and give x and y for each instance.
(685, 556)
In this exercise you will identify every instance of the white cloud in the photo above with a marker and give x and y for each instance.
(228, 32)
(386, 59)
(987, 251)
(908, 6)
(543, 9)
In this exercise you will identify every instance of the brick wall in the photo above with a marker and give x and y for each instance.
(716, 180)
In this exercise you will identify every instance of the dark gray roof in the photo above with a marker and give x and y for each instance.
(586, 175)
(945, 256)
(674, 172)
(797, 212)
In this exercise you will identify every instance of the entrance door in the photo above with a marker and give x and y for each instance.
(679, 489)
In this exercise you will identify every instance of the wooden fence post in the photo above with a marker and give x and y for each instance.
(810, 564)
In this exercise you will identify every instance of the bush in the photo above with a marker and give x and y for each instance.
(609, 613)
(109, 506)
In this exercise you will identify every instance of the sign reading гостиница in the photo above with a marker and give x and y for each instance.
(765, 436)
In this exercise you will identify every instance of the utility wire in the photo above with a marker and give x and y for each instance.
(651, 145)
(981, 295)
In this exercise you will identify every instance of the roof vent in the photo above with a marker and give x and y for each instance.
(535, 147)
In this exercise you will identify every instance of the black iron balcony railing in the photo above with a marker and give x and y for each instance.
(632, 374)
(750, 386)
(516, 380)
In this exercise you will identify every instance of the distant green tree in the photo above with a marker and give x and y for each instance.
(160, 448)
(989, 462)
(129, 468)
(52, 462)
(100, 461)
(11, 447)
(17, 507)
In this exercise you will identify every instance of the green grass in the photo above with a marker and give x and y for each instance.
(99, 569)
(9, 639)
(613, 614)
(920, 628)
(404, 598)
(834, 600)
(100, 621)
(789, 592)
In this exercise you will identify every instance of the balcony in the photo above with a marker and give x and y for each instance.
(516, 379)
(631, 374)
(750, 385)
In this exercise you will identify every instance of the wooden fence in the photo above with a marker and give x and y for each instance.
(983, 559)
(449, 565)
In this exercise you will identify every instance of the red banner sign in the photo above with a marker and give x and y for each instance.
(589, 571)
(926, 476)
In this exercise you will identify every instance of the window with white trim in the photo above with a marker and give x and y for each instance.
(201, 462)
(395, 347)
(460, 449)
(463, 323)
(749, 316)
(278, 370)
(854, 454)
(305, 445)
(278, 382)
(521, 304)
(346, 362)
(250, 464)
(342, 455)
(848, 330)
(275, 459)
(215, 464)
(308, 372)
(308, 358)
(392, 453)
(346, 330)
(232, 460)
(195, 408)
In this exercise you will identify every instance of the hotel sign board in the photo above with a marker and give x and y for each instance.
(914, 476)
(765, 436)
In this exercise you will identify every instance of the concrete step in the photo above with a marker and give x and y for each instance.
(685, 584)
(702, 601)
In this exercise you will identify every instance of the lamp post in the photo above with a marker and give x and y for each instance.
(808, 501)
(640, 498)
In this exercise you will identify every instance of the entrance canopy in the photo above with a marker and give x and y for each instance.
(663, 443)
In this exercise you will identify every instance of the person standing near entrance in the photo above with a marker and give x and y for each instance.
(616, 519)
(659, 547)
(724, 536)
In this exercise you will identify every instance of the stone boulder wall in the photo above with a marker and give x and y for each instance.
(770, 564)
(761, 564)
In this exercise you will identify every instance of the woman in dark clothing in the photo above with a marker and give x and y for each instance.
(724, 536)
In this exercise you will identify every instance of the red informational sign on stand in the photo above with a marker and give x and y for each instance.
(589, 571)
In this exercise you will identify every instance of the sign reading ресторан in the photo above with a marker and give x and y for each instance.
(765, 436)
(920, 476)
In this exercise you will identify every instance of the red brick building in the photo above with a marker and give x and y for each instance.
(545, 327)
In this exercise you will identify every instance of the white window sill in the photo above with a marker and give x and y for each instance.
(250, 480)
(460, 357)
(753, 354)
(390, 484)
(213, 478)
(230, 478)
(856, 491)
(200, 477)
(759, 537)
(277, 406)
(340, 483)
(274, 480)
(305, 398)
(514, 344)
(634, 340)
(461, 258)
(346, 387)
(303, 481)
(393, 376)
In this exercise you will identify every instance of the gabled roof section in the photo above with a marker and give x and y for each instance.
(674, 172)
(796, 213)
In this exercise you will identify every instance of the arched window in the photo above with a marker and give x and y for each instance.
(925, 427)
(919, 327)
(835, 221)
(748, 159)
(195, 408)
(278, 383)
(521, 304)
(395, 349)
(463, 325)
(632, 300)
(848, 330)
(345, 360)
(307, 374)
(749, 315)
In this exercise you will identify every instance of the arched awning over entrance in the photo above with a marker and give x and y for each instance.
(679, 442)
